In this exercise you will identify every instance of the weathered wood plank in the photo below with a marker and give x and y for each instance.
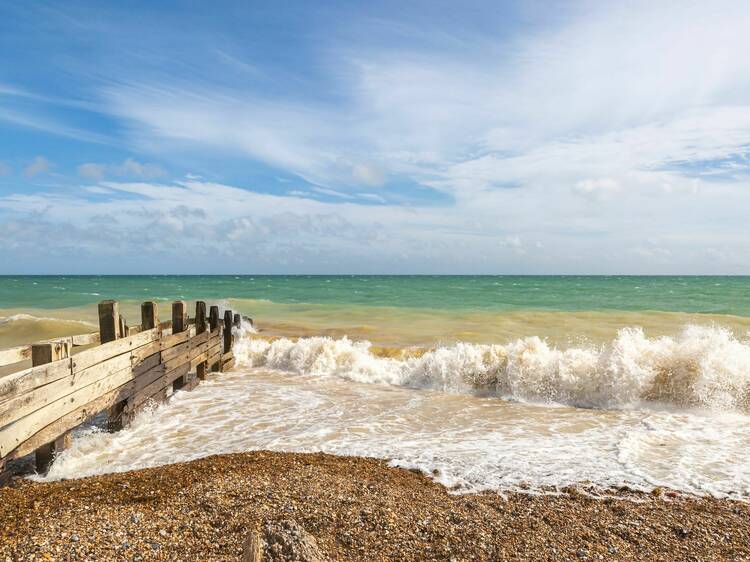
(148, 377)
(183, 357)
(142, 353)
(174, 351)
(111, 349)
(175, 339)
(146, 364)
(225, 366)
(146, 393)
(72, 420)
(199, 338)
(198, 360)
(24, 404)
(16, 354)
(86, 339)
(179, 371)
(24, 381)
(14, 435)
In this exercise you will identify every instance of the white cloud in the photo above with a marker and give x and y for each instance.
(596, 188)
(129, 168)
(137, 169)
(495, 146)
(40, 165)
(92, 171)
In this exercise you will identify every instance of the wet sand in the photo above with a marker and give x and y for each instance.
(353, 509)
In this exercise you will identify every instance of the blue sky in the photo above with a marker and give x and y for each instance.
(378, 137)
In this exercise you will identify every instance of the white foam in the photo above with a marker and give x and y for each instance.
(701, 367)
(467, 443)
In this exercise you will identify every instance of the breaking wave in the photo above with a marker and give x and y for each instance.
(704, 367)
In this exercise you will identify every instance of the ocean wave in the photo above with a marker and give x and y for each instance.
(704, 367)
(30, 318)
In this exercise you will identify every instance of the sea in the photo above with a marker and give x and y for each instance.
(485, 383)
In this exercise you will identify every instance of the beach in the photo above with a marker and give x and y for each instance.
(354, 509)
(521, 422)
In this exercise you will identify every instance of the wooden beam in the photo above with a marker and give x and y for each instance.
(179, 317)
(149, 315)
(200, 317)
(179, 325)
(213, 318)
(42, 354)
(201, 327)
(228, 318)
(15, 434)
(71, 420)
(109, 321)
(237, 320)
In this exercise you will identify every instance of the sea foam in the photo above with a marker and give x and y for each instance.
(705, 367)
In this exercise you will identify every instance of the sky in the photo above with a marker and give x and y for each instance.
(375, 137)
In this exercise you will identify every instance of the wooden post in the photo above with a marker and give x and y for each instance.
(179, 324)
(123, 327)
(149, 315)
(213, 318)
(109, 330)
(200, 326)
(42, 353)
(179, 317)
(109, 321)
(228, 331)
(237, 320)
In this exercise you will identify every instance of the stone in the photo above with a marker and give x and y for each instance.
(287, 541)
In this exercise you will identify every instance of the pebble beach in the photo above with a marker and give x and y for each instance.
(283, 506)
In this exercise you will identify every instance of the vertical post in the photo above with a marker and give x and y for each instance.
(179, 317)
(227, 331)
(213, 318)
(237, 320)
(109, 321)
(42, 354)
(109, 330)
(200, 317)
(123, 327)
(179, 324)
(149, 316)
(200, 326)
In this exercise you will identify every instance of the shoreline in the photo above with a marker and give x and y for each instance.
(353, 508)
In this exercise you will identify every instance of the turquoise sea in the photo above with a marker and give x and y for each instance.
(705, 294)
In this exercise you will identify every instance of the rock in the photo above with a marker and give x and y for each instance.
(287, 541)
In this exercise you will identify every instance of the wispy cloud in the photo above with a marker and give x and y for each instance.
(129, 168)
(603, 138)
(40, 165)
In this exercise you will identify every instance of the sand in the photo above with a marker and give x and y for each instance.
(349, 508)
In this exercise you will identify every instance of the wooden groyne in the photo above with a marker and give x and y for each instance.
(118, 370)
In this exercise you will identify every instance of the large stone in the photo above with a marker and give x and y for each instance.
(283, 541)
